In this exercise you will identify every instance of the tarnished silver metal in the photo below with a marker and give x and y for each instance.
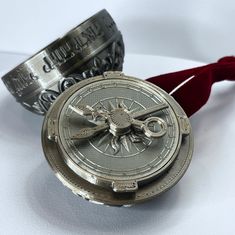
(120, 120)
(117, 140)
(94, 46)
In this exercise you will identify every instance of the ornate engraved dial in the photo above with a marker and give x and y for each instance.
(118, 130)
(117, 140)
(127, 144)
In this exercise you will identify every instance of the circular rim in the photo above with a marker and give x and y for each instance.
(85, 172)
(99, 194)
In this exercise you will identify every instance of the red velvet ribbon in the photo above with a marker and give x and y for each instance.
(191, 88)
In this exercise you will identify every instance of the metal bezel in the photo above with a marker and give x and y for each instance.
(92, 192)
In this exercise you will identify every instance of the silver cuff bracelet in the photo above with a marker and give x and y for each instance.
(94, 46)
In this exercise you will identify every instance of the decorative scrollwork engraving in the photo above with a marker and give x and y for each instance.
(36, 107)
(113, 61)
(66, 83)
(46, 98)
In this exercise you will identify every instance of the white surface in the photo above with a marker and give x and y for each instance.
(200, 30)
(33, 201)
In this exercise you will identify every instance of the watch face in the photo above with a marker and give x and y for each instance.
(121, 138)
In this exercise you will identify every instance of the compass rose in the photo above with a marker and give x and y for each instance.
(121, 126)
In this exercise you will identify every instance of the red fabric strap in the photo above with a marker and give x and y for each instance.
(191, 88)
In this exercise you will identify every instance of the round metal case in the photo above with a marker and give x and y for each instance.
(117, 140)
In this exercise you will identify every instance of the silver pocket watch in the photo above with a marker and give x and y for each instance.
(117, 140)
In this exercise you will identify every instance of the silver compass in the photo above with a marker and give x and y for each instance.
(117, 140)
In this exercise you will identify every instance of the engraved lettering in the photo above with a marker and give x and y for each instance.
(18, 85)
(62, 54)
(32, 77)
(21, 82)
(97, 30)
(109, 24)
(67, 50)
(48, 65)
(91, 33)
(77, 44)
(58, 56)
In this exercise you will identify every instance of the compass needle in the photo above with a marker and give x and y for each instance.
(133, 110)
(150, 110)
(83, 110)
(89, 132)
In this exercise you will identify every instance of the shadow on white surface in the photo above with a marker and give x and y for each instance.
(54, 204)
(59, 207)
(16, 122)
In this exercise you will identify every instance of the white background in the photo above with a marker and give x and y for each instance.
(202, 30)
(33, 201)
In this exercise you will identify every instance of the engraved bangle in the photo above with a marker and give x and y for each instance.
(94, 46)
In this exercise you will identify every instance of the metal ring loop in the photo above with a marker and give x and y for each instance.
(153, 134)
